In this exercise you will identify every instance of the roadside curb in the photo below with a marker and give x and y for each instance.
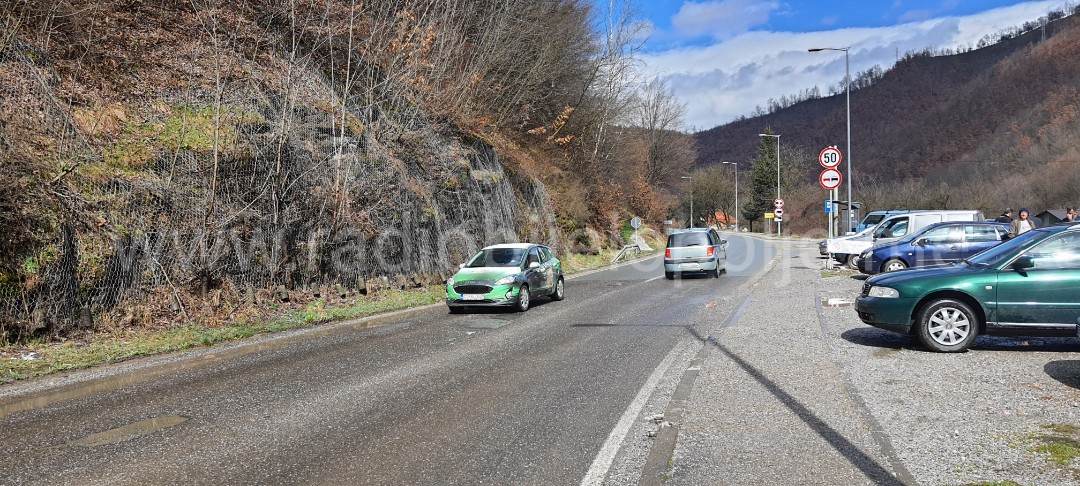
(47, 389)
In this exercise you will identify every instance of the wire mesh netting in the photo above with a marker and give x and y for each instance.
(251, 176)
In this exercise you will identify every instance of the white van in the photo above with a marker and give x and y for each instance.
(892, 228)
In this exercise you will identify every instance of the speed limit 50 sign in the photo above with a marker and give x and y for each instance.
(830, 157)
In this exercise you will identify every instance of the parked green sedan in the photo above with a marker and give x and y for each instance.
(508, 275)
(1027, 286)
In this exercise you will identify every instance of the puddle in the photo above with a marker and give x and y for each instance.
(129, 431)
(592, 324)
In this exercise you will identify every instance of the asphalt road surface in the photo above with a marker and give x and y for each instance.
(492, 397)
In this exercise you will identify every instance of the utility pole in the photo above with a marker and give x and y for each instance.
(691, 179)
(777, 137)
(847, 90)
(736, 164)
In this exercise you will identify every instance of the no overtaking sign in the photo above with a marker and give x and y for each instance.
(830, 179)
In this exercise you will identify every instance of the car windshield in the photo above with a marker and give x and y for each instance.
(998, 254)
(688, 239)
(498, 257)
(892, 229)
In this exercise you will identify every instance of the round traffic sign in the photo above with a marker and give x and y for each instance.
(830, 157)
(830, 179)
(779, 203)
(778, 211)
(635, 222)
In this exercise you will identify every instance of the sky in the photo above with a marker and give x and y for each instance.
(724, 57)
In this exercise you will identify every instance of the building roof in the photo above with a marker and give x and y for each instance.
(1057, 213)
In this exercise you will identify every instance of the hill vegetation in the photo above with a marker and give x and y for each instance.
(195, 160)
(986, 128)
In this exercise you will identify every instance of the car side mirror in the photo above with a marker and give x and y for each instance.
(1023, 263)
(462, 265)
(923, 242)
(533, 265)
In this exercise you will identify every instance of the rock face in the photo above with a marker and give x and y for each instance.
(263, 188)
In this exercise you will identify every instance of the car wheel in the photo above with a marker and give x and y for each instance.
(716, 271)
(894, 265)
(947, 326)
(557, 292)
(523, 299)
(669, 275)
(853, 262)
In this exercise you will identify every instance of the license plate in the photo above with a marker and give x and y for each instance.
(472, 297)
(691, 266)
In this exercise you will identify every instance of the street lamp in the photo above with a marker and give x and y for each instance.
(736, 165)
(847, 90)
(691, 179)
(777, 137)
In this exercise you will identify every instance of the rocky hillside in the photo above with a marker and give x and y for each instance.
(987, 128)
(171, 160)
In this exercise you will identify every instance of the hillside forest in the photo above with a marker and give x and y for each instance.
(172, 161)
(986, 127)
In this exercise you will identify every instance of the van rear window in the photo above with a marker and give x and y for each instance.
(688, 239)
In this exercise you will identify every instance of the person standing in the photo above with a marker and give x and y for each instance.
(1070, 215)
(1023, 223)
(1006, 216)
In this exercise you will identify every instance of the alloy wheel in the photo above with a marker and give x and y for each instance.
(523, 298)
(895, 265)
(949, 326)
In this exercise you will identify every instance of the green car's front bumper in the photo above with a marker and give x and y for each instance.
(889, 314)
(499, 296)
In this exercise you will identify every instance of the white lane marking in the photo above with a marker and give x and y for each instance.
(651, 279)
(606, 457)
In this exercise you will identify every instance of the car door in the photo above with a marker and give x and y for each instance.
(939, 245)
(548, 265)
(719, 246)
(1048, 293)
(978, 237)
(535, 276)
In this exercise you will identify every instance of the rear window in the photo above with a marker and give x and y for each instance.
(688, 239)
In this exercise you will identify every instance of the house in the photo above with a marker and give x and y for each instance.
(1050, 217)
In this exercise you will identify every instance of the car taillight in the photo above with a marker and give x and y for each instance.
(667, 253)
(709, 251)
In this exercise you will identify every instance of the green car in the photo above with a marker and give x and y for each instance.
(1027, 286)
(508, 275)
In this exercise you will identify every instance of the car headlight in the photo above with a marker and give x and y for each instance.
(509, 279)
(884, 292)
(866, 254)
(450, 281)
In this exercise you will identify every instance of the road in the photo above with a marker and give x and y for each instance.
(477, 398)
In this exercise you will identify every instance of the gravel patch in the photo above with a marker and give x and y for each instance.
(995, 413)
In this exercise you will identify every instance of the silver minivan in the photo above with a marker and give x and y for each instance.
(695, 250)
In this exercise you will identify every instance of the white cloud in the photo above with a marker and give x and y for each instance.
(720, 19)
(729, 77)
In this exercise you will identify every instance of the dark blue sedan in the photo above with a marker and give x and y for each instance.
(937, 244)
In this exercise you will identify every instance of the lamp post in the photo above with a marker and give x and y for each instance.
(847, 91)
(691, 179)
(736, 165)
(777, 137)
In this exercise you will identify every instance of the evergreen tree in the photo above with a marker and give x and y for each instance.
(762, 181)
